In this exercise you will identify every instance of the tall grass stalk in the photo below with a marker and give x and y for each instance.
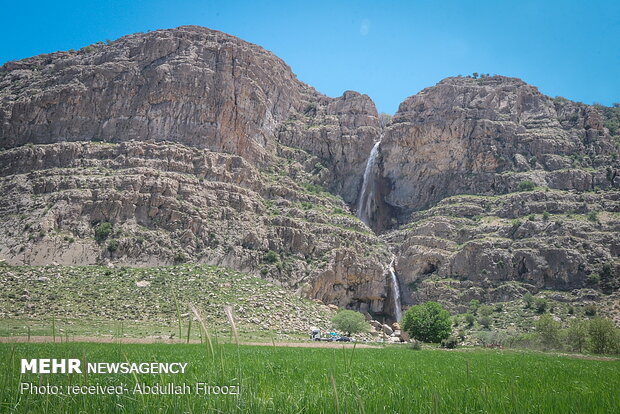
(336, 399)
(231, 320)
(189, 326)
(205, 331)
(178, 311)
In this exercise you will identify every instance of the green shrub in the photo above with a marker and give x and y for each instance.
(484, 321)
(272, 257)
(526, 185)
(603, 336)
(593, 217)
(450, 342)
(548, 331)
(531, 217)
(113, 245)
(350, 322)
(474, 304)
(102, 231)
(546, 216)
(428, 322)
(540, 304)
(180, 257)
(577, 335)
(528, 298)
(590, 310)
(593, 279)
(609, 281)
(469, 319)
(485, 310)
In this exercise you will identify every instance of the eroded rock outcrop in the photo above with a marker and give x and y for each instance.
(543, 178)
(222, 153)
(167, 203)
(468, 136)
(191, 85)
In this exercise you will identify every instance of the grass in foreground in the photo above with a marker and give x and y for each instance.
(303, 380)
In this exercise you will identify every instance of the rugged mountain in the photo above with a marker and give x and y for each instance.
(499, 190)
(484, 136)
(174, 145)
(190, 85)
(192, 145)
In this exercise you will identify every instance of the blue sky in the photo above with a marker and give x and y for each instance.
(386, 49)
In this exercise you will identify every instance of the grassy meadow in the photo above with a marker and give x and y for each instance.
(393, 379)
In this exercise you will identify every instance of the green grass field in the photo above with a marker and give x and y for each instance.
(313, 380)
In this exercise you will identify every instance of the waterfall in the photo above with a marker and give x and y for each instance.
(398, 310)
(367, 193)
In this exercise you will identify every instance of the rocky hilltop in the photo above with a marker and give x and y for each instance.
(192, 145)
(485, 136)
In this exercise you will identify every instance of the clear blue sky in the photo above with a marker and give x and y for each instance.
(387, 49)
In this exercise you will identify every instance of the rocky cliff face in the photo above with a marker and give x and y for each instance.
(192, 145)
(190, 85)
(484, 136)
(500, 190)
(204, 170)
(149, 204)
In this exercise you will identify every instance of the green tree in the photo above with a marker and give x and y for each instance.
(474, 304)
(526, 185)
(603, 335)
(102, 231)
(384, 119)
(548, 331)
(272, 257)
(577, 335)
(609, 281)
(428, 322)
(113, 245)
(350, 322)
(593, 217)
(469, 319)
(528, 298)
(484, 321)
(485, 310)
(540, 304)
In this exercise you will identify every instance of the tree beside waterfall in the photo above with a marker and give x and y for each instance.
(350, 322)
(429, 322)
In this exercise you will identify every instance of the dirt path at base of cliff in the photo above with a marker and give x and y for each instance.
(309, 344)
(159, 340)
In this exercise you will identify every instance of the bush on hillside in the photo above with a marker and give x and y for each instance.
(428, 322)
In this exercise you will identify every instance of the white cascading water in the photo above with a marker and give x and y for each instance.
(367, 194)
(398, 310)
(364, 206)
